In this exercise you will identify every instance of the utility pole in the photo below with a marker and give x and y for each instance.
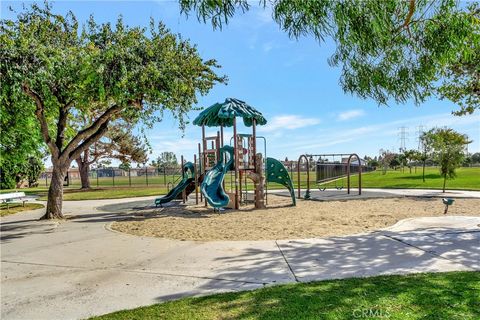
(403, 137)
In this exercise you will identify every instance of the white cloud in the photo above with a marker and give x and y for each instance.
(351, 114)
(387, 129)
(268, 46)
(289, 122)
(187, 147)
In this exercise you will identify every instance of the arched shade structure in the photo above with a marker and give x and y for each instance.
(223, 114)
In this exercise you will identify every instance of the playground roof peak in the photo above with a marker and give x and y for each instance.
(222, 114)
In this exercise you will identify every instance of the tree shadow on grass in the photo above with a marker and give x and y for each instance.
(420, 177)
(436, 296)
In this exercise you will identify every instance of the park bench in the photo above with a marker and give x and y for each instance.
(12, 197)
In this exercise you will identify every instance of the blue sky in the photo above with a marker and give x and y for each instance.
(288, 80)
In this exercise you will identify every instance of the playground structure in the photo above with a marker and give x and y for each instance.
(328, 169)
(241, 159)
(183, 188)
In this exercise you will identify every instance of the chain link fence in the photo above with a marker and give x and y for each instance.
(116, 177)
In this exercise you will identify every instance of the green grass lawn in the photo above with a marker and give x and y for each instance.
(74, 193)
(111, 193)
(18, 207)
(467, 179)
(449, 296)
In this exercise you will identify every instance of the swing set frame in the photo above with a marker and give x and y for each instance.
(306, 157)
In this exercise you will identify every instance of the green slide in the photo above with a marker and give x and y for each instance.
(276, 172)
(211, 186)
(189, 170)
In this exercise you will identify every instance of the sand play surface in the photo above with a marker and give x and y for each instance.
(308, 219)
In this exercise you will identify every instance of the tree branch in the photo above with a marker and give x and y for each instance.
(93, 129)
(411, 10)
(40, 114)
(106, 152)
(88, 141)
(61, 124)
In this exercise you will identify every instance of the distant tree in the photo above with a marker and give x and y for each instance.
(402, 159)
(167, 158)
(164, 160)
(118, 143)
(396, 162)
(425, 153)
(416, 157)
(53, 68)
(447, 150)
(387, 49)
(386, 159)
(125, 166)
(475, 157)
(410, 156)
(373, 163)
(34, 168)
(467, 161)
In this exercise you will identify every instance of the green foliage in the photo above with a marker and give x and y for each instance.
(396, 161)
(33, 169)
(58, 71)
(165, 159)
(19, 139)
(387, 49)
(84, 70)
(373, 163)
(125, 166)
(475, 157)
(448, 150)
(386, 159)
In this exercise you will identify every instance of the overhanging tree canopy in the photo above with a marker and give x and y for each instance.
(387, 49)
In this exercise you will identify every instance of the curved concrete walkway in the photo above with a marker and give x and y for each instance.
(77, 268)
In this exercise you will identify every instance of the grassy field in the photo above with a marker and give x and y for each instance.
(449, 296)
(18, 207)
(468, 179)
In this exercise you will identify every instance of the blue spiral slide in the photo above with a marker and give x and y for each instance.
(212, 185)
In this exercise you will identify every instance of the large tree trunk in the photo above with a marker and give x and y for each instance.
(444, 182)
(84, 170)
(55, 194)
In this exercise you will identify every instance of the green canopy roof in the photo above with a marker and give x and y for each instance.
(222, 114)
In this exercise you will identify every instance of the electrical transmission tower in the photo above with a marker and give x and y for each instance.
(403, 137)
(419, 133)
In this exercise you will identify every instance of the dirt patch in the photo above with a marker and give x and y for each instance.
(308, 219)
